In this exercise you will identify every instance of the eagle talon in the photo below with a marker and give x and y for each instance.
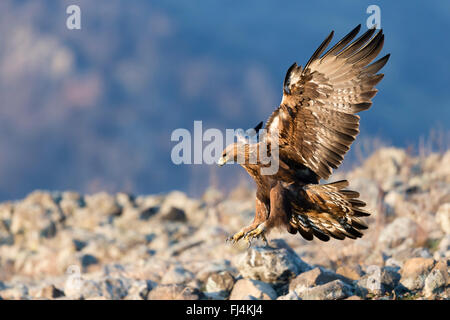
(236, 237)
(258, 232)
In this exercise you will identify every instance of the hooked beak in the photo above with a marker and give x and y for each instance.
(221, 161)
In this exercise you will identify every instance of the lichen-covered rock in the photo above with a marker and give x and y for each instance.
(174, 292)
(219, 284)
(273, 265)
(334, 290)
(315, 277)
(378, 280)
(415, 271)
(246, 289)
(291, 295)
(437, 279)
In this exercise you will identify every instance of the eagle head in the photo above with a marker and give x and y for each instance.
(230, 153)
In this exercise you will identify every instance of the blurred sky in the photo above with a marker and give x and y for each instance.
(93, 109)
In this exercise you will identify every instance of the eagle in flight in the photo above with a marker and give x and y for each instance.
(314, 127)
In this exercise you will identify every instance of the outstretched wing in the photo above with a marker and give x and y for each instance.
(316, 122)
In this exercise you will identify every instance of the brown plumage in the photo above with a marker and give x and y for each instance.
(314, 127)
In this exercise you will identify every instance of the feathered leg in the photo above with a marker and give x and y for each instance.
(261, 215)
(279, 213)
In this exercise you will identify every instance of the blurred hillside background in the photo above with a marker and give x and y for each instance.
(93, 109)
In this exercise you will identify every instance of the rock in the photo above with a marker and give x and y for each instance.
(97, 210)
(88, 260)
(139, 290)
(444, 248)
(148, 213)
(71, 201)
(115, 288)
(273, 265)
(443, 217)
(353, 272)
(392, 201)
(215, 267)
(103, 204)
(402, 231)
(192, 208)
(83, 289)
(63, 245)
(78, 244)
(353, 298)
(36, 216)
(212, 196)
(125, 200)
(414, 272)
(315, 277)
(177, 275)
(437, 279)
(384, 166)
(49, 231)
(378, 281)
(49, 292)
(17, 291)
(174, 214)
(375, 257)
(245, 289)
(6, 237)
(334, 290)
(219, 285)
(174, 292)
(292, 295)
(399, 256)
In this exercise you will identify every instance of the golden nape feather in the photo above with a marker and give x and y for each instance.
(329, 210)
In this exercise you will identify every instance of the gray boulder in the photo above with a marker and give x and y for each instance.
(277, 264)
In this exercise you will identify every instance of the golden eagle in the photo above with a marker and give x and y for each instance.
(315, 126)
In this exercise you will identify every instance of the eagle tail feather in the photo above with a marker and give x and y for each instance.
(330, 211)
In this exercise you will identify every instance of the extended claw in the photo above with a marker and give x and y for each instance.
(236, 237)
(258, 232)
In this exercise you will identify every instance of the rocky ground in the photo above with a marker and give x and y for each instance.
(63, 245)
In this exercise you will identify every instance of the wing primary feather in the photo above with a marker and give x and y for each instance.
(320, 49)
(370, 47)
(355, 45)
(377, 65)
(343, 42)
